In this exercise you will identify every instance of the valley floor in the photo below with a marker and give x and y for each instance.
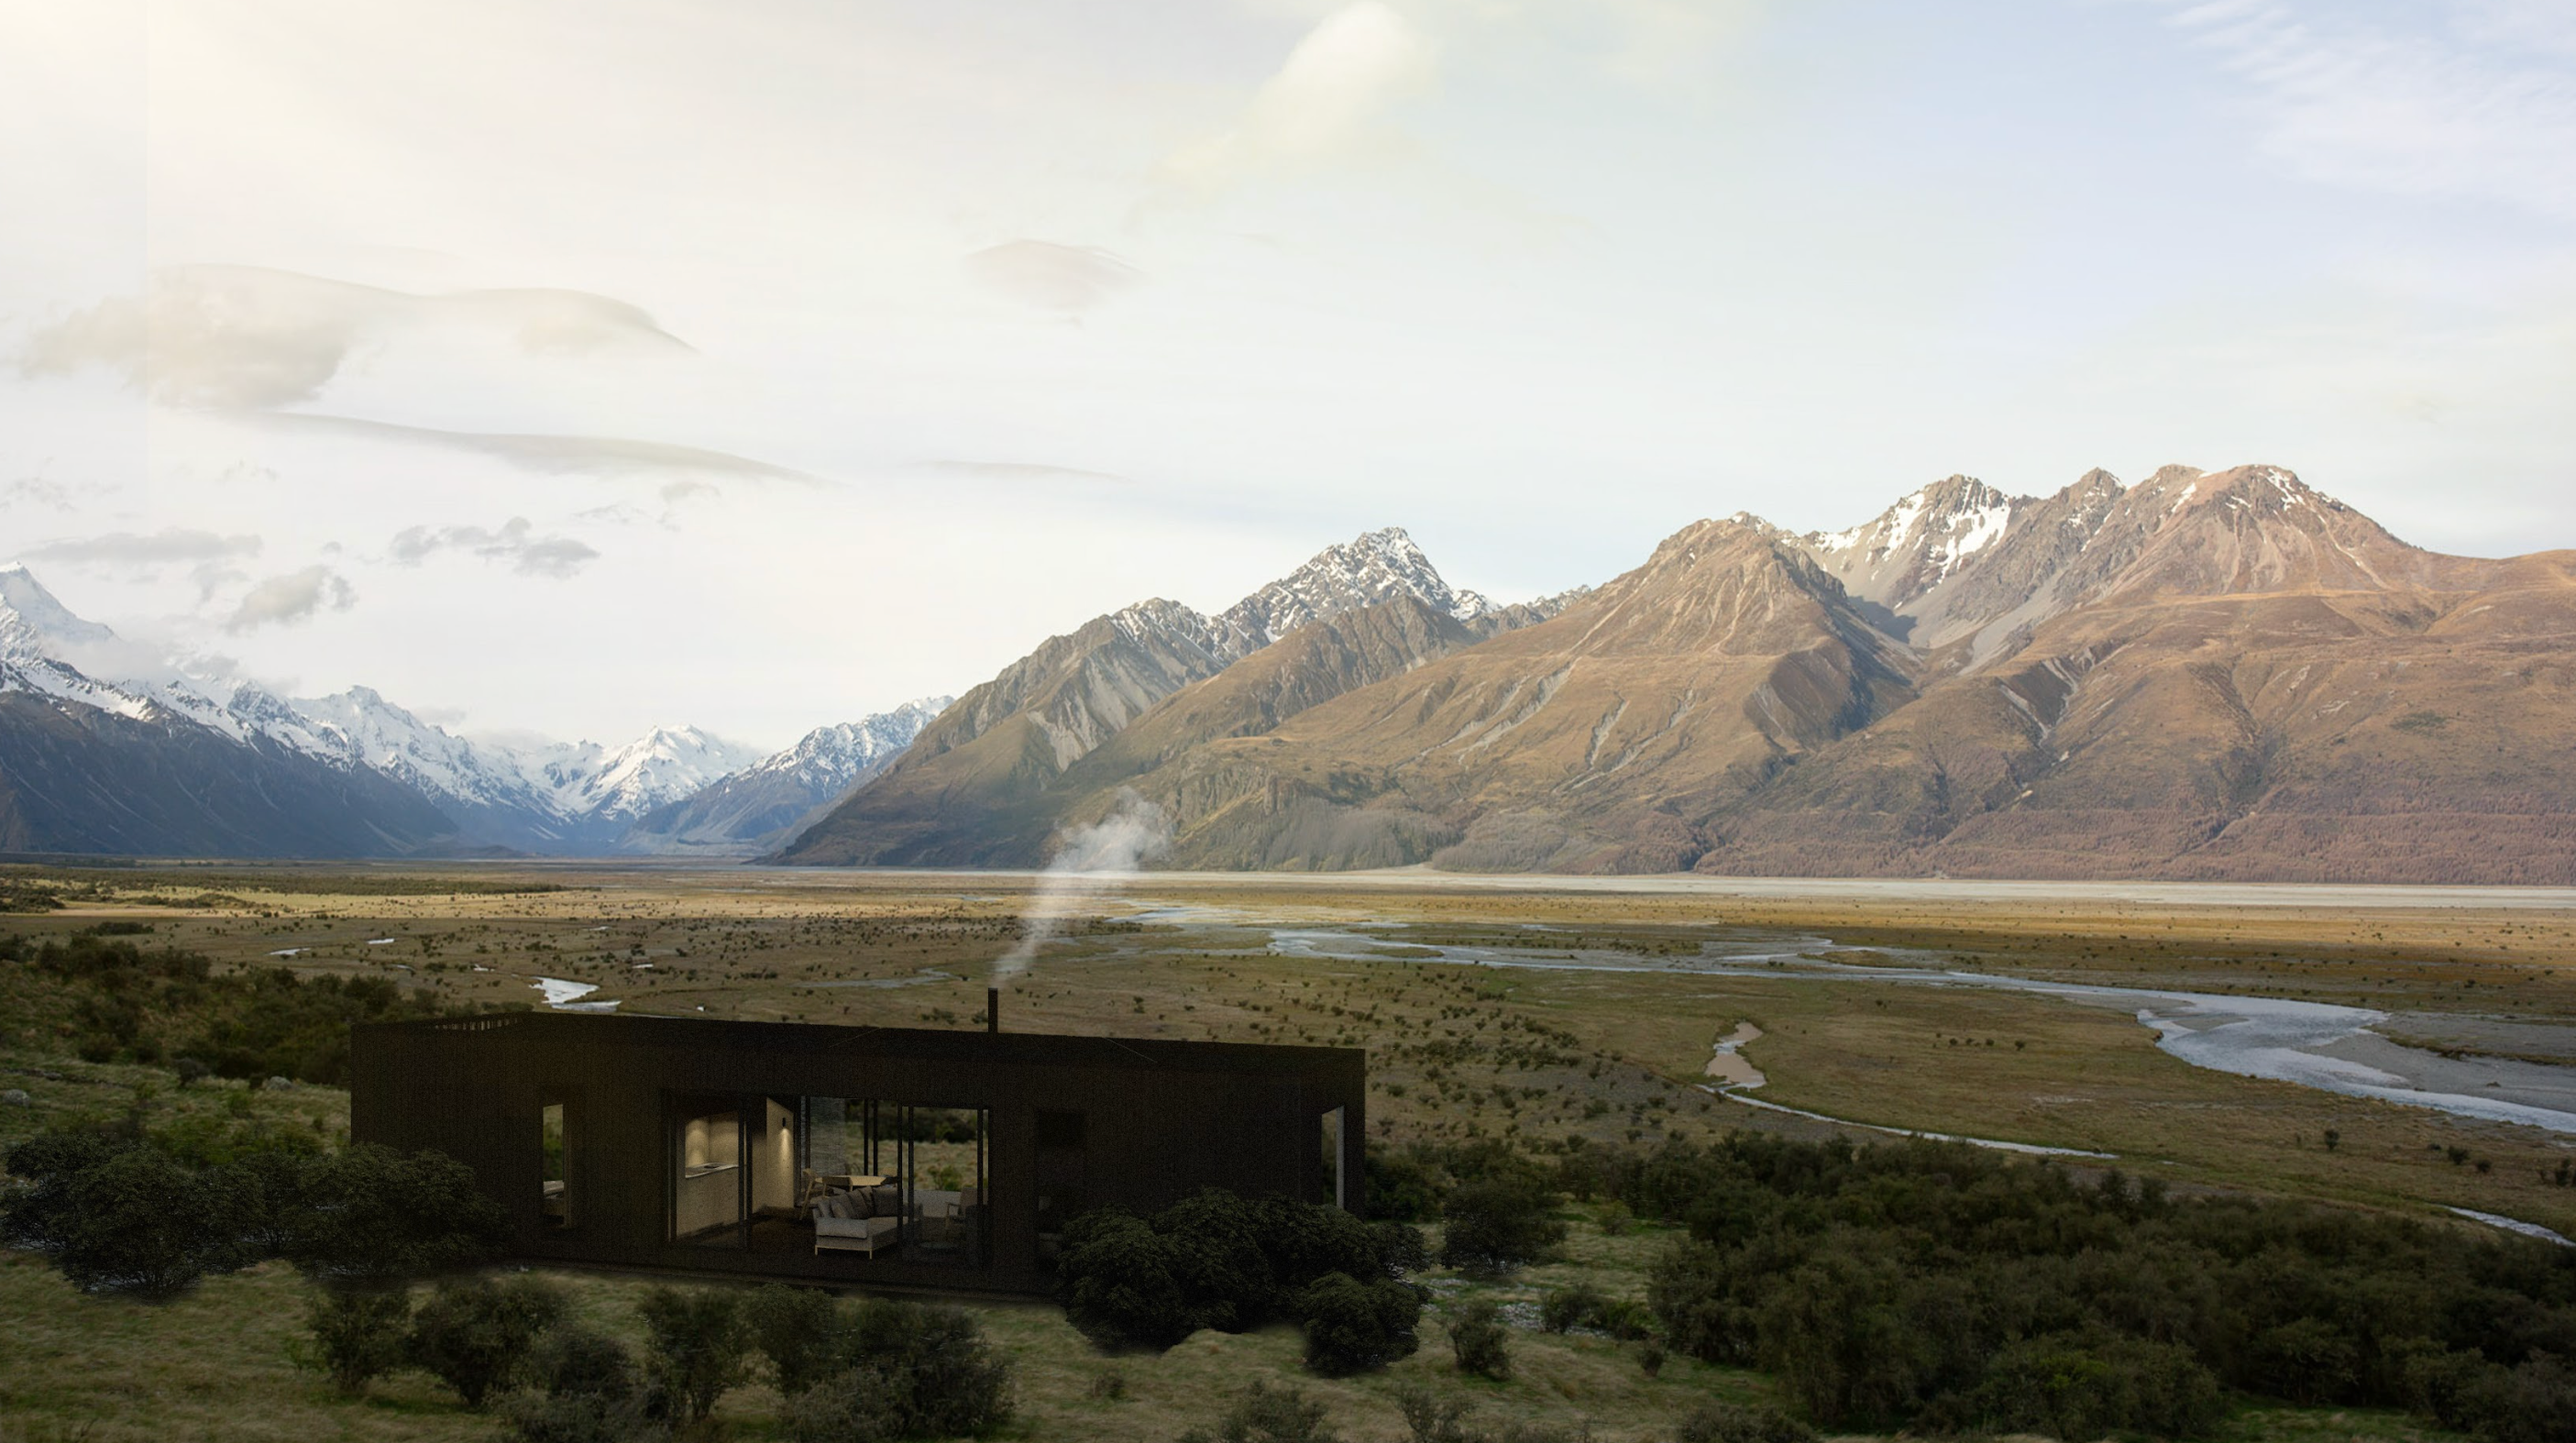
(1611, 1055)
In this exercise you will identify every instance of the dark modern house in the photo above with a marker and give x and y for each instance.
(898, 1157)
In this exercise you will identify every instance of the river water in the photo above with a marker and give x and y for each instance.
(2312, 1044)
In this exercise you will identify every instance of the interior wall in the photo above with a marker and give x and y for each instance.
(773, 1159)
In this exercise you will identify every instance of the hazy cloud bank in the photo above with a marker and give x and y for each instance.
(560, 557)
(293, 597)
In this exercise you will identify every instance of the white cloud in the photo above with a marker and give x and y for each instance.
(529, 554)
(558, 455)
(248, 338)
(145, 549)
(1354, 64)
(1051, 277)
(2480, 109)
(293, 597)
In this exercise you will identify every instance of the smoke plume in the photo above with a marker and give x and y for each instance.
(1088, 862)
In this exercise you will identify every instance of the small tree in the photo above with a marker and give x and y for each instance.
(1498, 1223)
(801, 1332)
(1478, 1340)
(1355, 1327)
(697, 1347)
(474, 1335)
(358, 1337)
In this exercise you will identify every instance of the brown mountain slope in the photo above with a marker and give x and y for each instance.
(968, 782)
(1588, 741)
(2256, 683)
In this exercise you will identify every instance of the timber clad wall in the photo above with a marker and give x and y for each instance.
(1159, 1120)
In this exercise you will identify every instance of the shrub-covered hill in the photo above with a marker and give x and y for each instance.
(107, 998)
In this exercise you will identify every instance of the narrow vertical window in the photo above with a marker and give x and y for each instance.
(555, 1168)
(1331, 1141)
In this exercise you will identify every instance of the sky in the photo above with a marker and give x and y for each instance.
(580, 367)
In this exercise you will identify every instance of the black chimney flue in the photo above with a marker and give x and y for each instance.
(992, 1009)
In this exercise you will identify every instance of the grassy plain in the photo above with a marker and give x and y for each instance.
(1612, 1057)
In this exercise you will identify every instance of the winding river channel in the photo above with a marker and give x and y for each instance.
(2312, 1044)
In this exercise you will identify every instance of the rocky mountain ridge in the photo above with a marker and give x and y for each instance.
(2202, 674)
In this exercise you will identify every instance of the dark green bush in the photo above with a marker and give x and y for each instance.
(1715, 1422)
(1268, 1415)
(358, 1337)
(373, 1216)
(1931, 1284)
(800, 1331)
(1478, 1339)
(48, 1164)
(475, 1334)
(2080, 1389)
(1401, 1185)
(1216, 1260)
(1562, 1310)
(1432, 1419)
(585, 1389)
(697, 1347)
(1497, 1224)
(141, 1222)
(1356, 1327)
(914, 1371)
(136, 1004)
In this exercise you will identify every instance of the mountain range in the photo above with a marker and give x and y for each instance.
(159, 762)
(2199, 675)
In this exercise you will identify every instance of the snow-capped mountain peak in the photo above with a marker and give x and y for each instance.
(33, 623)
(1912, 546)
(663, 765)
(1374, 567)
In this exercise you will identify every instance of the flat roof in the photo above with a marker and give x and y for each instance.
(554, 1029)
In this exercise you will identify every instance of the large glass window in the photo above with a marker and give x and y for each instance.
(882, 1178)
(831, 1175)
(1063, 1181)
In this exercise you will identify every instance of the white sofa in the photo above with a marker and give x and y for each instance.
(837, 1228)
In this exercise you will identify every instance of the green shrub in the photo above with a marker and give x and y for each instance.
(2535, 1402)
(475, 1334)
(2079, 1389)
(1478, 1340)
(373, 1216)
(586, 1391)
(1216, 1260)
(48, 1164)
(1433, 1420)
(1401, 1187)
(1563, 1310)
(1116, 1280)
(141, 1222)
(1930, 1285)
(1269, 1415)
(1716, 1422)
(697, 1347)
(358, 1337)
(800, 1331)
(1356, 1327)
(916, 1371)
(1498, 1224)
